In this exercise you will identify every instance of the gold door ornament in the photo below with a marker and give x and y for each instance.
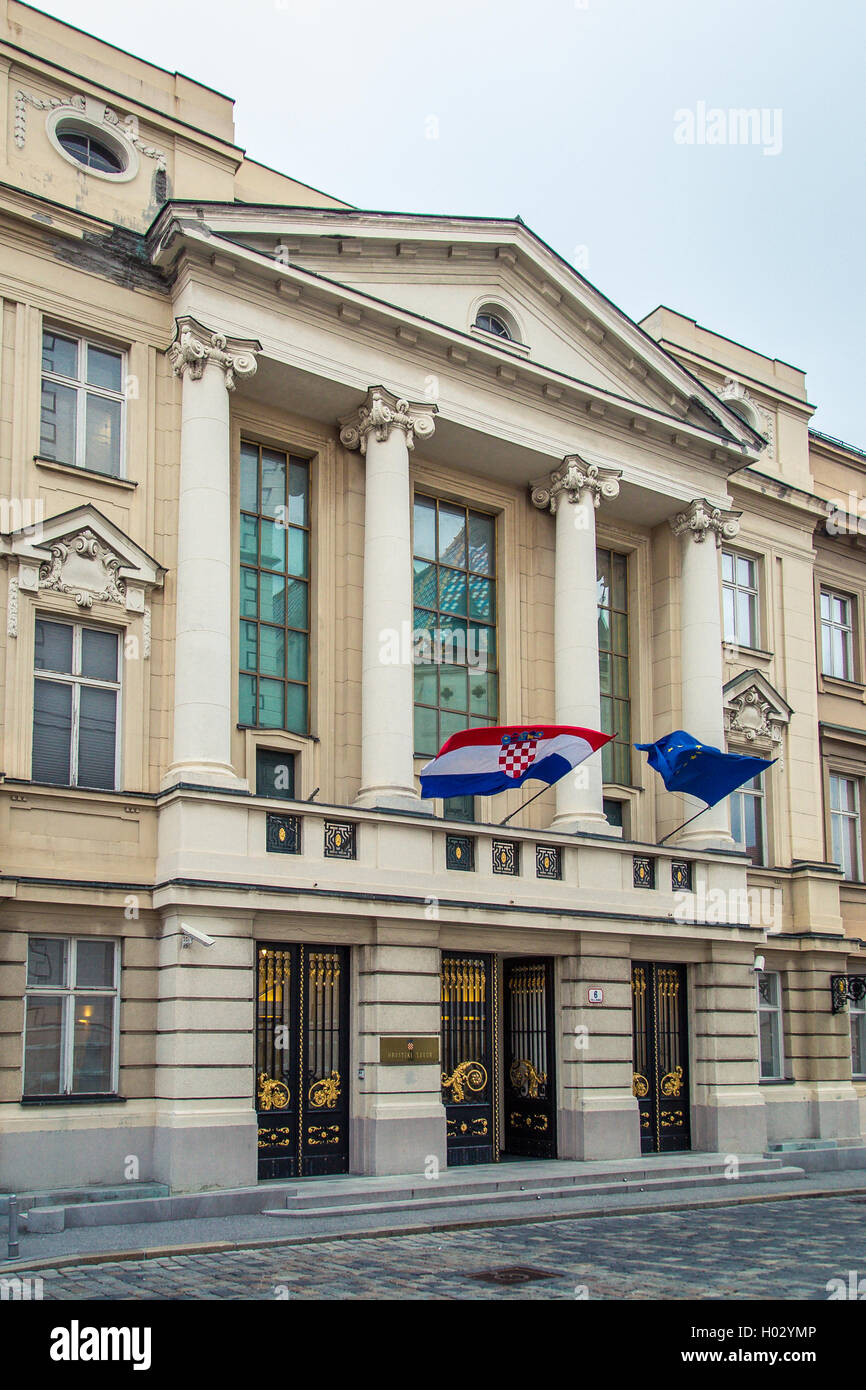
(468, 1075)
(272, 1095)
(639, 1086)
(525, 1079)
(672, 1083)
(324, 1094)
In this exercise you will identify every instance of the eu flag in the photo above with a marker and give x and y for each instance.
(699, 769)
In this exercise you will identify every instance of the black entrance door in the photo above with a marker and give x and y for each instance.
(468, 1049)
(661, 1065)
(302, 1060)
(530, 1119)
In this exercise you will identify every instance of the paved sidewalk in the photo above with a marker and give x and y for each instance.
(162, 1238)
(764, 1250)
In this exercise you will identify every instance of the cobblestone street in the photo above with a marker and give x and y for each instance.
(774, 1250)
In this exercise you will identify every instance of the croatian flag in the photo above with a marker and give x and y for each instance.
(481, 762)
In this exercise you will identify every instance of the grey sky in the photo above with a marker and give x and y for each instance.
(563, 111)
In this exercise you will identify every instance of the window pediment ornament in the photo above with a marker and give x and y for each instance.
(96, 112)
(703, 519)
(194, 346)
(755, 714)
(82, 566)
(383, 412)
(574, 477)
(83, 554)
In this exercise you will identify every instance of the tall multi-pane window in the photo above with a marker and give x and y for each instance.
(70, 1019)
(837, 635)
(75, 695)
(82, 403)
(612, 571)
(770, 1025)
(740, 599)
(274, 590)
(747, 819)
(845, 825)
(454, 566)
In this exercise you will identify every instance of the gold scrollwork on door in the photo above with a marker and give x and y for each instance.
(323, 1134)
(525, 1079)
(476, 1129)
(269, 1138)
(468, 1075)
(672, 1083)
(324, 1094)
(518, 1121)
(639, 1086)
(272, 1095)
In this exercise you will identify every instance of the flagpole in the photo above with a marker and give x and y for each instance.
(683, 826)
(523, 807)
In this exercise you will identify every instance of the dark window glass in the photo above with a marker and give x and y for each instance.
(612, 571)
(273, 689)
(275, 773)
(613, 812)
(52, 732)
(454, 578)
(92, 153)
(96, 736)
(459, 808)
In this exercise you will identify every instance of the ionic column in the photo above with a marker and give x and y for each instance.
(702, 528)
(385, 429)
(581, 486)
(209, 364)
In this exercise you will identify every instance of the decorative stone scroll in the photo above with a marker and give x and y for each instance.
(195, 346)
(383, 412)
(82, 566)
(702, 519)
(572, 479)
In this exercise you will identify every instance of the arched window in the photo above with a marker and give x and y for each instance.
(494, 323)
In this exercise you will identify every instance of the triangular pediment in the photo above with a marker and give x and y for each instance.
(440, 272)
(82, 553)
(755, 713)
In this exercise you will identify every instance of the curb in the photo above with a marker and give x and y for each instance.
(161, 1252)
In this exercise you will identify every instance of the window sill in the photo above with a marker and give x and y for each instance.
(107, 1099)
(517, 349)
(837, 685)
(738, 652)
(71, 470)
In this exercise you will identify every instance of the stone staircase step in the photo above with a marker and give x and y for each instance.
(406, 1200)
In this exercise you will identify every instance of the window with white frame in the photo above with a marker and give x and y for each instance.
(845, 825)
(71, 1016)
(75, 705)
(740, 599)
(837, 635)
(857, 1014)
(748, 820)
(82, 403)
(770, 1025)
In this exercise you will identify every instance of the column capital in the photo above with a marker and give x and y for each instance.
(572, 478)
(194, 346)
(702, 519)
(383, 412)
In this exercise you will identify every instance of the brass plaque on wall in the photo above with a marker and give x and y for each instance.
(406, 1052)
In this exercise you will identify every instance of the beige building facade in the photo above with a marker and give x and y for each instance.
(293, 491)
